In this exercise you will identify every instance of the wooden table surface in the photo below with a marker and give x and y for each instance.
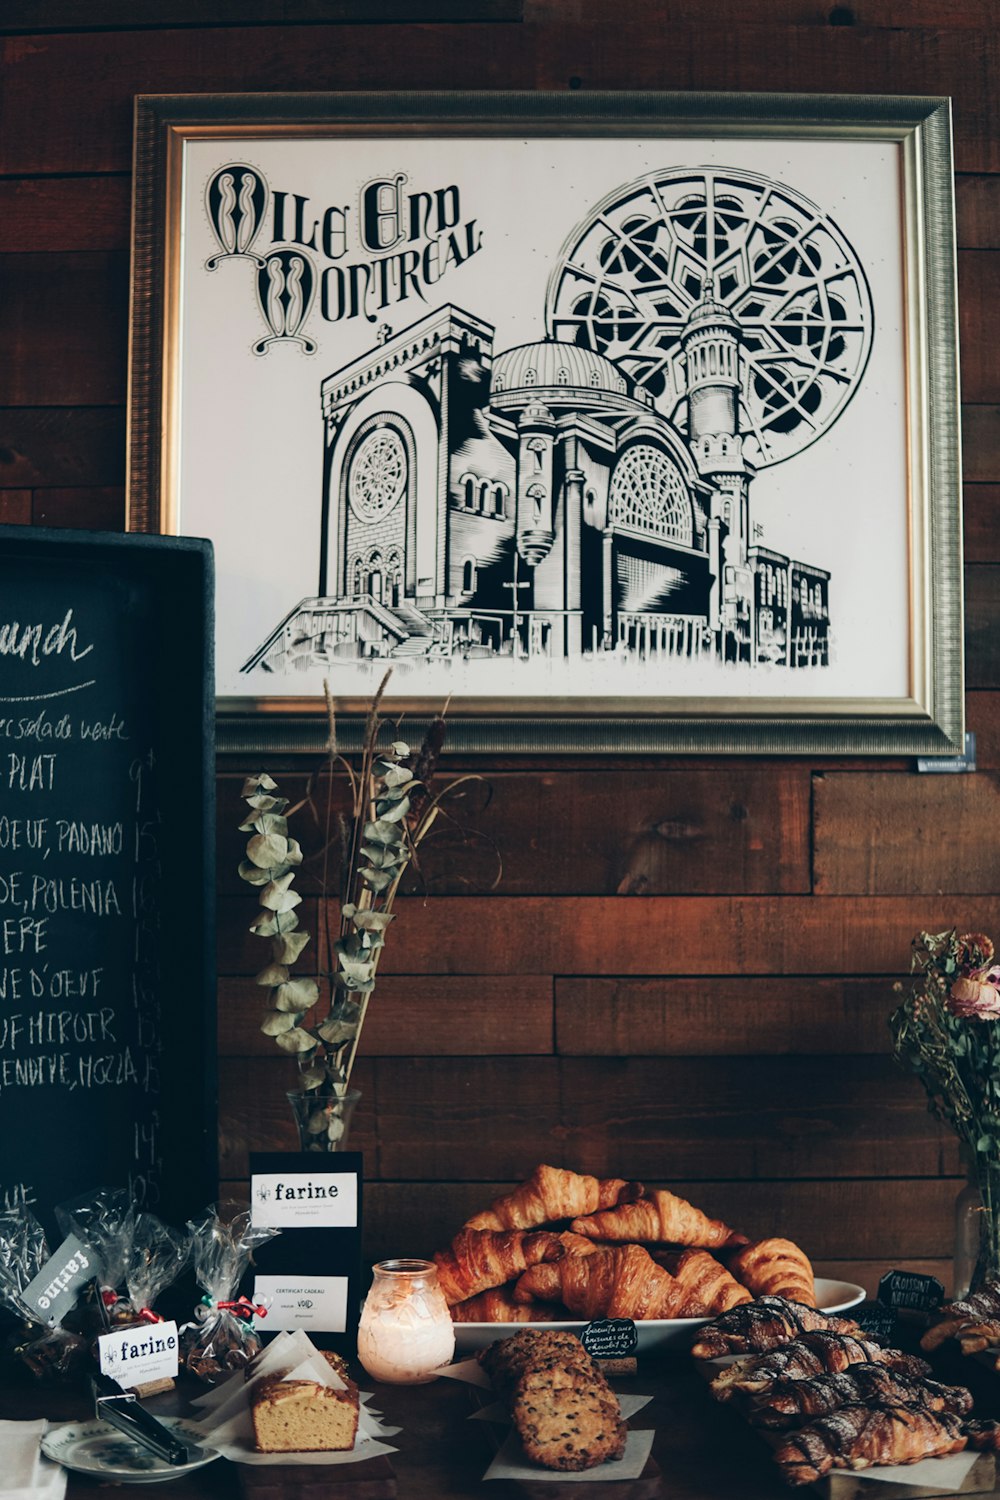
(704, 1451)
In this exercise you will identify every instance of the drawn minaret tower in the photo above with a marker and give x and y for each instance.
(711, 343)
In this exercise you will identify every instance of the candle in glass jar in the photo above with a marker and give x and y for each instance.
(406, 1332)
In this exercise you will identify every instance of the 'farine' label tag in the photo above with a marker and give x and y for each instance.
(53, 1291)
(304, 1200)
(134, 1355)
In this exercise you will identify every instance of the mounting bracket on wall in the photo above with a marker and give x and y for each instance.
(955, 764)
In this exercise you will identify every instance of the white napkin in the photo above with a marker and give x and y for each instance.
(226, 1424)
(26, 1474)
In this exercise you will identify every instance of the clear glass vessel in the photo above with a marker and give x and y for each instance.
(406, 1333)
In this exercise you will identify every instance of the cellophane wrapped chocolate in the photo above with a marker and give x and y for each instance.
(139, 1255)
(50, 1352)
(221, 1338)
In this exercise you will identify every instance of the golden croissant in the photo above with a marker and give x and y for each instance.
(497, 1305)
(543, 1281)
(708, 1287)
(621, 1281)
(775, 1268)
(661, 1217)
(552, 1193)
(478, 1259)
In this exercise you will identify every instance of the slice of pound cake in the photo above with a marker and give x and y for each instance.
(302, 1416)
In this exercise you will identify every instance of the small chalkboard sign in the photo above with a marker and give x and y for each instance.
(876, 1319)
(308, 1276)
(610, 1338)
(107, 1013)
(908, 1289)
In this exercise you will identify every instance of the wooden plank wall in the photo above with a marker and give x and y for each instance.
(686, 971)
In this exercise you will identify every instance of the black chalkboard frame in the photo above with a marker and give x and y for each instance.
(177, 572)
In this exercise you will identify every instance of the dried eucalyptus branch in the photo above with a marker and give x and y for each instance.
(392, 810)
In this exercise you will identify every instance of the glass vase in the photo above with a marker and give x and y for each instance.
(977, 1223)
(323, 1117)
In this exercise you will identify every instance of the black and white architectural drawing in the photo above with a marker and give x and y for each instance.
(591, 492)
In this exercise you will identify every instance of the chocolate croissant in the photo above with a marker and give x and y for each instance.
(767, 1323)
(818, 1353)
(974, 1320)
(661, 1218)
(776, 1268)
(857, 1436)
(552, 1193)
(479, 1259)
(791, 1402)
(621, 1281)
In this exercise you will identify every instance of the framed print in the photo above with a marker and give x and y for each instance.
(623, 421)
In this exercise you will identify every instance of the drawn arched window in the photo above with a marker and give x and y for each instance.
(727, 513)
(530, 376)
(536, 495)
(648, 494)
(469, 575)
(562, 377)
(356, 577)
(376, 577)
(595, 377)
(484, 491)
(470, 492)
(536, 446)
(394, 577)
(499, 495)
(498, 383)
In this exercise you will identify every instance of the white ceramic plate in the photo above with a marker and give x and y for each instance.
(99, 1449)
(654, 1333)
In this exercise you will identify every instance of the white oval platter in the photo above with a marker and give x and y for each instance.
(99, 1449)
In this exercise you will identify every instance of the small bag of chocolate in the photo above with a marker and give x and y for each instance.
(221, 1338)
(103, 1220)
(49, 1351)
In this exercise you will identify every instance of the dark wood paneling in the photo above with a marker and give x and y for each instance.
(903, 835)
(686, 935)
(982, 711)
(979, 295)
(982, 626)
(977, 211)
(93, 509)
(820, 13)
(414, 1016)
(711, 1117)
(744, 829)
(87, 84)
(64, 214)
(981, 444)
(70, 15)
(15, 507)
(981, 512)
(61, 446)
(721, 1016)
(63, 328)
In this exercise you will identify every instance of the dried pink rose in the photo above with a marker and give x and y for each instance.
(976, 995)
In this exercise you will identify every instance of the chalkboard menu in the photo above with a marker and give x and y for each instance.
(107, 1013)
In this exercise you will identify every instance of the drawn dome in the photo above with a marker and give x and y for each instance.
(554, 363)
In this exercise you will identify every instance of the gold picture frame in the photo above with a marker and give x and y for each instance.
(711, 335)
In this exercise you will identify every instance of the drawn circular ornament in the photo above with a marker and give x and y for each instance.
(630, 276)
(378, 475)
(648, 495)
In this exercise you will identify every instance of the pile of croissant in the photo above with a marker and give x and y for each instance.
(566, 1245)
(831, 1396)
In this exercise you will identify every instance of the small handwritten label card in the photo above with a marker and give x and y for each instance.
(54, 1290)
(308, 1276)
(908, 1289)
(133, 1356)
(610, 1338)
(301, 1302)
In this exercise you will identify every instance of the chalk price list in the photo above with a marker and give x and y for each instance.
(79, 929)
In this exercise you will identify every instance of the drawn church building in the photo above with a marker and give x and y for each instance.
(538, 504)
